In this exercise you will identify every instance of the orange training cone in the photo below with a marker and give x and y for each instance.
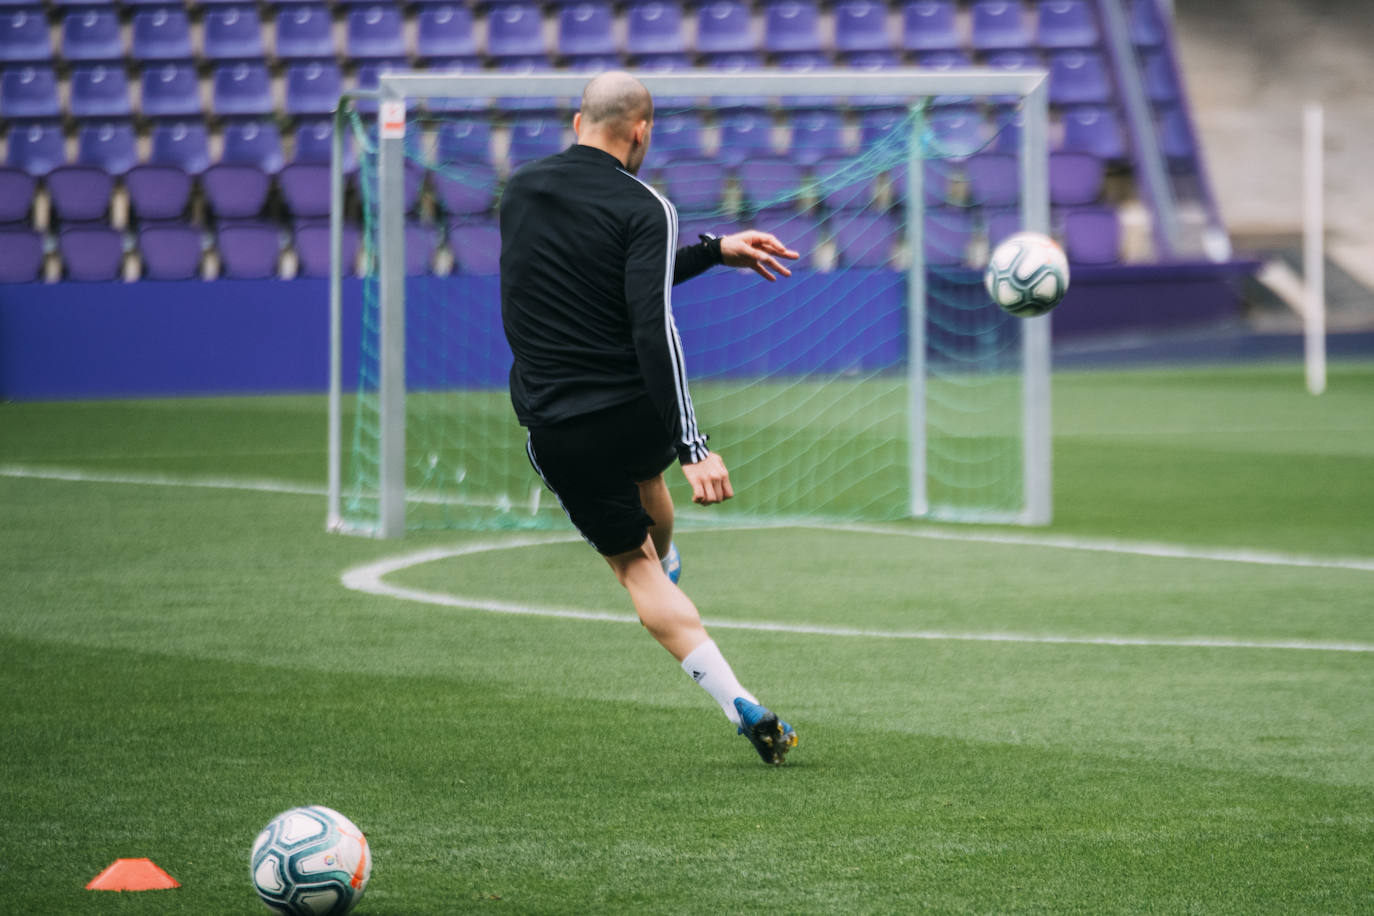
(132, 875)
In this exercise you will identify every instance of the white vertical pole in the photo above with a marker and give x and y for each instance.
(1313, 250)
(916, 316)
(334, 514)
(1037, 445)
(391, 393)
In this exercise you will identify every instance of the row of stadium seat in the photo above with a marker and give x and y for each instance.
(247, 249)
(159, 192)
(304, 31)
(163, 90)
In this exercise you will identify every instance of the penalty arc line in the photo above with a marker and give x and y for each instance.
(368, 578)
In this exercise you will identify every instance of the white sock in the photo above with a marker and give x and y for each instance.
(708, 667)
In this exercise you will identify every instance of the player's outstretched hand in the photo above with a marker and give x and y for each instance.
(709, 479)
(754, 249)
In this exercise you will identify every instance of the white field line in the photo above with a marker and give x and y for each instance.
(1058, 542)
(368, 579)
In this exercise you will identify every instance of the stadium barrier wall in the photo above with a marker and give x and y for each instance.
(154, 339)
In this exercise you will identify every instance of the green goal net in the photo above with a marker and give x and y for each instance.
(877, 383)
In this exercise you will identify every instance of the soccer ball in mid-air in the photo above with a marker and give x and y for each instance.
(311, 861)
(1027, 274)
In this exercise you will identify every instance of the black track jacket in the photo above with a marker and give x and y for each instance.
(589, 256)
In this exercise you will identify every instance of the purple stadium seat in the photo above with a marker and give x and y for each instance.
(695, 185)
(469, 192)
(233, 33)
(937, 182)
(29, 92)
(1066, 24)
(878, 123)
(369, 77)
(92, 34)
(163, 33)
(770, 182)
(535, 138)
(1147, 24)
(844, 185)
(476, 247)
(864, 238)
(249, 251)
(1175, 135)
(21, 255)
(305, 188)
(515, 30)
(255, 143)
(445, 31)
(861, 25)
(994, 180)
(112, 147)
(586, 29)
(242, 89)
(1161, 83)
(312, 88)
(1001, 224)
(305, 32)
(171, 91)
(171, 251)
(1077, 77)
(724, 27)
(957, 130)
(36, 148)
(235, 191)
(1076, 178)
(1094, 129)
(16, 194)
(745, 134)
(80, 193)
(465, 140)
(157, 192)
(315, 143)
(1014, 60)
(312, 248)
(1092, 236)
(184, 144)
(930, 25)
(596, 63)
(24, 37)
(791, 25)
(376, 33)
(100, 92)
(678, 136)
(654, 28)
(420, 244)
(947, 236)
(999, 24)
(91, 253)
(815, 135)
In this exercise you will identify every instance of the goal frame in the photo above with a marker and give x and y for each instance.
(395, 93)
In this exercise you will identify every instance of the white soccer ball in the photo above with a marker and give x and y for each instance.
(310, 861)
(1027, 274)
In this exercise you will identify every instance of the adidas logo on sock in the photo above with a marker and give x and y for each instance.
(698, 675)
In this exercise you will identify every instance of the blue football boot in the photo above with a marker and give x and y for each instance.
(771, 736)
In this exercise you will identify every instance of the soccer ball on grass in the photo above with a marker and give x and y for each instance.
(1027, 274)
(311, 861)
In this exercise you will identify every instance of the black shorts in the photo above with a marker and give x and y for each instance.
(592, 463)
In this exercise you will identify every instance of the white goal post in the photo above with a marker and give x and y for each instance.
(401, 92)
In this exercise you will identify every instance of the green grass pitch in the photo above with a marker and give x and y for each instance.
(180, 661)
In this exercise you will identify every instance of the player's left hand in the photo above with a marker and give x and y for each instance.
(754, 249)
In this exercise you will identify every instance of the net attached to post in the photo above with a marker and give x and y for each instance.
(832, 395)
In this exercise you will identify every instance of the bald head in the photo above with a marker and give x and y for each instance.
(614, 102)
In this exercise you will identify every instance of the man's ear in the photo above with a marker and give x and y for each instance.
(577, 124)
(641, 133)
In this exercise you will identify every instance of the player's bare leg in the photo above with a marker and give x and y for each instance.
(672, 619)
(664, 609)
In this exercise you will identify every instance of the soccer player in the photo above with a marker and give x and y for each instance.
(589, 256)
